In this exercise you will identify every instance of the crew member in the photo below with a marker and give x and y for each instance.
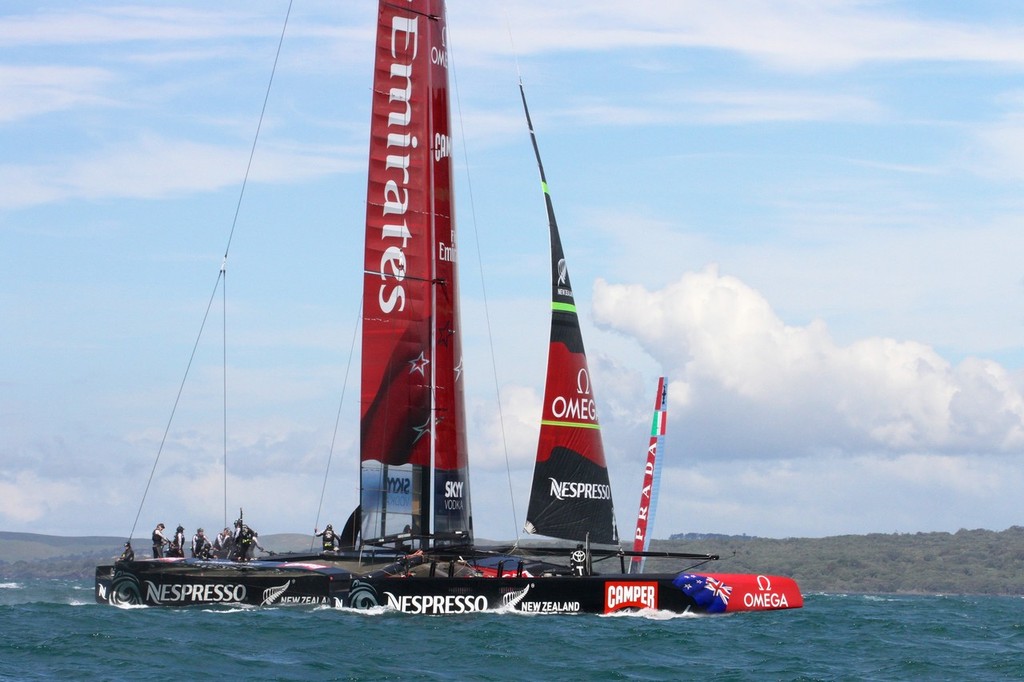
(178, 543)
(200, 545)
(245, 540)
(223, 545)
(332, 542)
(159, 540)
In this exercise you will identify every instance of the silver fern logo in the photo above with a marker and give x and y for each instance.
(512, 599)
(272, 594)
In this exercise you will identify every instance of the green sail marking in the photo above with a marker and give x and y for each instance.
(544, 186)
(564, 307)
(578, 425)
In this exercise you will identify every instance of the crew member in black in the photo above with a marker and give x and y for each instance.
(178, 543)
(128, 554)
(200, 545)
(245, 539)
(332, 541)
(223, 545)
(159, 540)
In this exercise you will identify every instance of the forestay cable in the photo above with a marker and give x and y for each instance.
(221, 277)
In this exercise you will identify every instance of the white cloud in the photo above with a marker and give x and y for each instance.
(508, 438)
(788, 35)
(34, 90)
(154, 167)
(834, 495)
(26, 497)
(128, 24)
(1000, 150)
(762, 385)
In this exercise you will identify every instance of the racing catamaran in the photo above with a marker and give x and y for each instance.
(410, 541)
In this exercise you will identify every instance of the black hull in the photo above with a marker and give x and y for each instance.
(275, 583)
(191, 582)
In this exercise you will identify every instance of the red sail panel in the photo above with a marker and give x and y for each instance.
(451, 463)
(571, 496)
(411, 341)
(396, 350)
(649, 490)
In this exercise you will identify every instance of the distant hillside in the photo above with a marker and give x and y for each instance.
(965, 562)
(710, 536)
(28, 555)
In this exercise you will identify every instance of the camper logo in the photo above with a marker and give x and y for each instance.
(630, 595)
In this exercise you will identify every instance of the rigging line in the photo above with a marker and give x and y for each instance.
(231, 234)
(483, 287)
(259, 126)
(224, 377)
(222, 273)
(337, 420)
(177, 399)
(512, 44)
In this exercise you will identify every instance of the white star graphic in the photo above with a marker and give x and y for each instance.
(419, 364)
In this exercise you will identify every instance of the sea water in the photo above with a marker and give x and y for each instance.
(52, 629)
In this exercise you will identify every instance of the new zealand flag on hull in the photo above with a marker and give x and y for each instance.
(712, 595)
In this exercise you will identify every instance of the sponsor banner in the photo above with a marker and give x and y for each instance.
(436, 604)
(549, 606)
(574, 490)
(630, 595)
(451, 494)
(303, 600)
(721, 592)
(398, 488)
(392, 492)
(763, 592)
(194, 594)
(396, 384)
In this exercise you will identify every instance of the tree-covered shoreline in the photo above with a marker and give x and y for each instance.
(966, 562)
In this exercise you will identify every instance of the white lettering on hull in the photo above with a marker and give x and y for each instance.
(195, 594)
(630, 595)
(436, 604)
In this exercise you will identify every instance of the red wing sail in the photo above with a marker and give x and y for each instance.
(411, 398)
(571, 497)
(451, 511)
(652, 475)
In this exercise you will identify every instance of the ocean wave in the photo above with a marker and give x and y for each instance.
(370, 611)
(653, 614)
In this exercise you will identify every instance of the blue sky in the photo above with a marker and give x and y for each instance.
(807, 216)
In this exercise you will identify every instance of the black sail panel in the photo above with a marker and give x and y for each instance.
(571, 494)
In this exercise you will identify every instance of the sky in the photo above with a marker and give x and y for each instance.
(809, 217)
